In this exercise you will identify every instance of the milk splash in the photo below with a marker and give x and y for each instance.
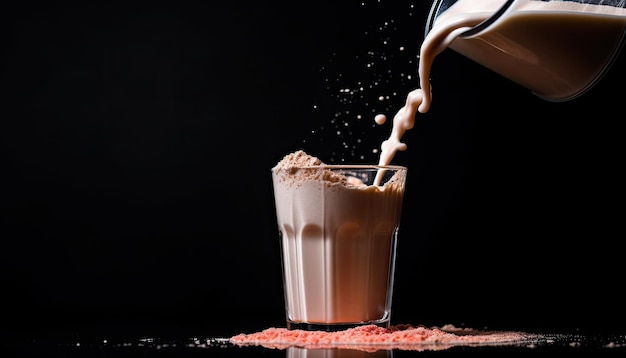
(536, 71)
(418, 100)
(371, 78)
(381, 71)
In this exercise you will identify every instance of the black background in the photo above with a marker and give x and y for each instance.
(137, 142)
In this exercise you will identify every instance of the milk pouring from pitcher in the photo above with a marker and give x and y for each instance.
(556, 49)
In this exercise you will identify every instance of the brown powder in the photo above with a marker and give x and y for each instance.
(298, 159)
(372, 338)
(299, 167)
(295, 167)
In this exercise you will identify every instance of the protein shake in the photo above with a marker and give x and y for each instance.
(338, 236)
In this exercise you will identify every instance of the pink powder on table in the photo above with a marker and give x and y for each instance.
(371, 337)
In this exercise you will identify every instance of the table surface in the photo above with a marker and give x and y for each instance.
(551, 344)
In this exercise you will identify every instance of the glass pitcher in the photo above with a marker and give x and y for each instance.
(557, 49)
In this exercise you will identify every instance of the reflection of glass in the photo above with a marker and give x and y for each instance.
(557, 49)
(338, 231)
(297, 352)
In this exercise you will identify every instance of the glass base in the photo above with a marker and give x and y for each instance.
(334, 327)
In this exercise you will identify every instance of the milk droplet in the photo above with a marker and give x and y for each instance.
(380, 119)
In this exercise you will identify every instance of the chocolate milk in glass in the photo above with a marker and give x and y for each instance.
(338, 235)
(556, 49)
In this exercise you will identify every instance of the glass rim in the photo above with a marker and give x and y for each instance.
(343, 166)
(435, 11)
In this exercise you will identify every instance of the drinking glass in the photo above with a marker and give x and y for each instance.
(338, 228)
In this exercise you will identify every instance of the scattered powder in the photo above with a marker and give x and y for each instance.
(372, 337)
(371, 77)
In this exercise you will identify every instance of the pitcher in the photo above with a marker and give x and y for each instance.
(556, 49)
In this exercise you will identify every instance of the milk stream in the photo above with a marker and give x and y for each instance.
(533, 45)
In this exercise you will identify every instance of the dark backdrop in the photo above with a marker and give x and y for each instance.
(137, 142)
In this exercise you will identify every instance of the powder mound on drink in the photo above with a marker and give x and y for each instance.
(297, 159)
(372, 337)
(298, 167)
(295, 165)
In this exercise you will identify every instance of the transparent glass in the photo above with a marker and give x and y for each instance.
(558, 49)
(338, 228)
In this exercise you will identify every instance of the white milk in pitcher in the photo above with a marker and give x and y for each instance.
(556, 49)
